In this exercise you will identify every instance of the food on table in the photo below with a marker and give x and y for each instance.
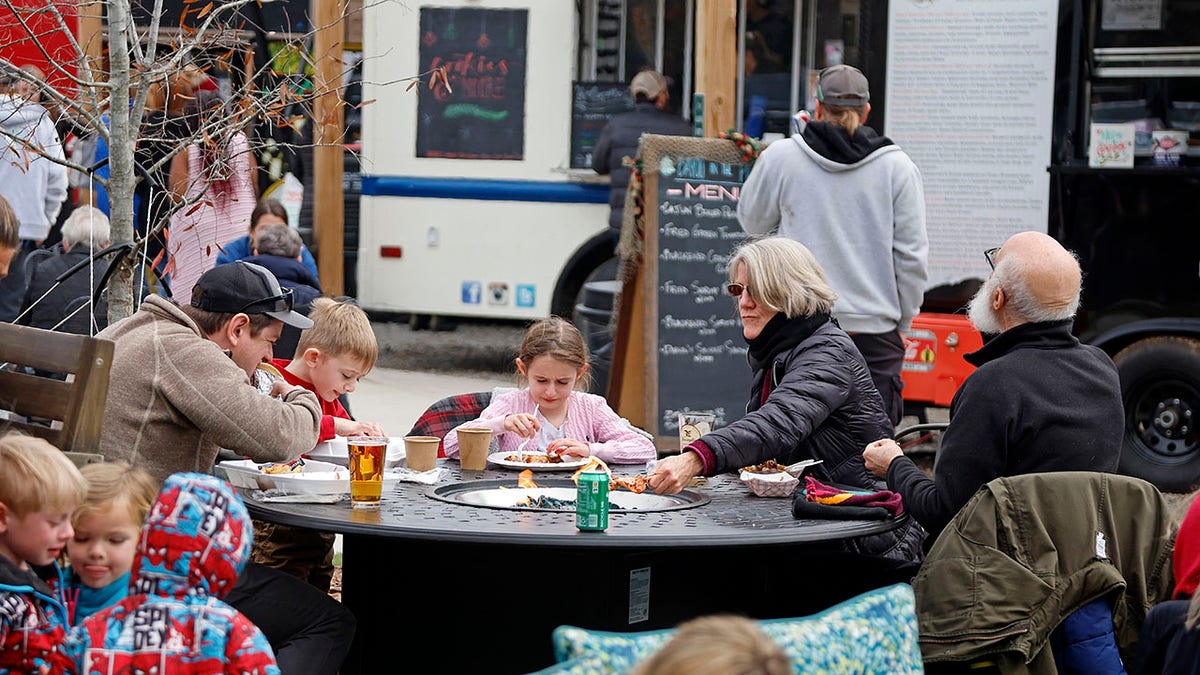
(534, 458)
(284, 467)
(636, 484)
(769, 466)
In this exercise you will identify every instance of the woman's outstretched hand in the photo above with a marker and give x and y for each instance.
(673, 474)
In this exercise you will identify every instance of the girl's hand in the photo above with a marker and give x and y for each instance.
(570, 447)
(522, 424)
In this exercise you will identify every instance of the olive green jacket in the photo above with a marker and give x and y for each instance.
(1028, 550)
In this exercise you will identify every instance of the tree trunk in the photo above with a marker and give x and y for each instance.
(121, 184)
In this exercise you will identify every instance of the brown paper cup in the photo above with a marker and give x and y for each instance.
(473, 448)
(420, 452)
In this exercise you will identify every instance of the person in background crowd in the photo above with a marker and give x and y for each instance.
(266, 212)
(811, 397)
(1039, 400)
(10, 236)
(1169, 642)
(277, 248)
(195, 541)
(215, 176)
(856, 201)
(39, 489)
(619, 138)
(32, 182)
(84, 232)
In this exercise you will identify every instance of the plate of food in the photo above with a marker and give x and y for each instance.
(247, 473)
(537, 461)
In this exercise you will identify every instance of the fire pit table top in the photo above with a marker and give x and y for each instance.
(725, 514)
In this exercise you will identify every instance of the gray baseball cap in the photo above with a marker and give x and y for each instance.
(843, 85)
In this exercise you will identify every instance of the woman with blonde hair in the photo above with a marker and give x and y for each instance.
(722, 644)
(812, 396)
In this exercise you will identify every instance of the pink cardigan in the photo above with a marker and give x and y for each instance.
(588, 419)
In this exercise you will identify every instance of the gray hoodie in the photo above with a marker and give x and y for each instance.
(34, 185)
(858, 204)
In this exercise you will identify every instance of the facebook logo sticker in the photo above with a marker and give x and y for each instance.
(525, 295)
(472, 292)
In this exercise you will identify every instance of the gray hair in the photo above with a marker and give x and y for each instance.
(277, 239)
(87, 225)
(784, 276)
(1010, 275)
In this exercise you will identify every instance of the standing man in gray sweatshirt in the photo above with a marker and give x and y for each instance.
(855, 199)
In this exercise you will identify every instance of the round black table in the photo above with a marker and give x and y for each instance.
(480, 589)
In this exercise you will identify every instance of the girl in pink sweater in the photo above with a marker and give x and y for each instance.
(550, 414)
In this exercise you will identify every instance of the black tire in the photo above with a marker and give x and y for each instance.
(596, 261)
(1160, 387)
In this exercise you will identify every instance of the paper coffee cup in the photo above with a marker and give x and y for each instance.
(473, 448)
(420, 452)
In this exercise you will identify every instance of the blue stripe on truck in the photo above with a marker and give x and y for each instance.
(494, 190)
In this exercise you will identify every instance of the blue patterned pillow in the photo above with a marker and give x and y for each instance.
(875, 632)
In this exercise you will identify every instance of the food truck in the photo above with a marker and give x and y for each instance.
(1072, 118)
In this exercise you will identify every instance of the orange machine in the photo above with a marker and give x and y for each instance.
(933, 358)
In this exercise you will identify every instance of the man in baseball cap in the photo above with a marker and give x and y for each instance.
(247, 288)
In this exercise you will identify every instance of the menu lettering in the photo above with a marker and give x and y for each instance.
(593, 104)
(701, 353)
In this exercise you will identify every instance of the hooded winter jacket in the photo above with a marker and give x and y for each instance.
(34, 185)
(194, 544)
(858, 204)
(33, 621)
(177, 399)
(1027, 551)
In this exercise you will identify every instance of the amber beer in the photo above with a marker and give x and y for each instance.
(367, 455)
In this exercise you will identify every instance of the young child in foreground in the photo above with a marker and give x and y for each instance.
(39, 489)
(716, 645)
(108, 525)
(550, 412)
(196, 540)
(331, 357)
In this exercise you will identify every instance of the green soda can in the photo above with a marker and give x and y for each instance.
(591, 506)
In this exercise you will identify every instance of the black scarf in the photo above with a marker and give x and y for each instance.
(781, 334)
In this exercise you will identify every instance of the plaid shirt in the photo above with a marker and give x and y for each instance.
(448, 413)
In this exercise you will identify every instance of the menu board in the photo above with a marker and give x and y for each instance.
(679, 345)
(481, 115)
(593, 104)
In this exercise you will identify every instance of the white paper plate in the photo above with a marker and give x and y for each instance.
(336, 451)
(335, 482)
(501, 458)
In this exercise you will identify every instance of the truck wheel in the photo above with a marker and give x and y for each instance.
(1160, 386)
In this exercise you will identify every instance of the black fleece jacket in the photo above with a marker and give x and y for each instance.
(1040, 401)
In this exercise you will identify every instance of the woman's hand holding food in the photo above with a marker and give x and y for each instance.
(522, 424)
(570, 447)
(673, 474)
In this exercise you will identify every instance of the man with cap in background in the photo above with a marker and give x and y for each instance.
(619, 139)
(181, 390)
(856, 200)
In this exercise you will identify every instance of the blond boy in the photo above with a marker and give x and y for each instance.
(39, 489)
(331, 357)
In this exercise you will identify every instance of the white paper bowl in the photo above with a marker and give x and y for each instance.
(780, 484)
(337, 451)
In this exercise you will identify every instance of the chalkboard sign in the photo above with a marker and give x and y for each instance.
(593, 104)
(689, 333)
(481, 115)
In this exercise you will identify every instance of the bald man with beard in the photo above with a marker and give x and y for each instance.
(1039, 400)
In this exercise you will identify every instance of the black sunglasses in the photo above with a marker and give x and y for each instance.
(990, 256)
(281, 303)
(735, 289)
